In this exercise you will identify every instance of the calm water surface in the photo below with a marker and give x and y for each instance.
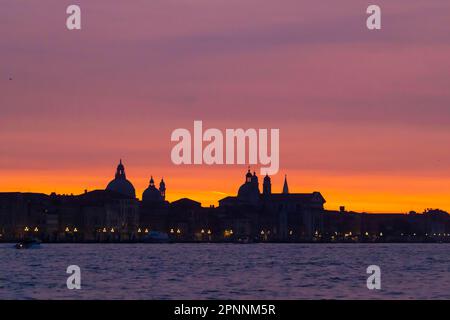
(226, 271)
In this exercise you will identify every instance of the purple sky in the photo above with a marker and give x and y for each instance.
(359, 111)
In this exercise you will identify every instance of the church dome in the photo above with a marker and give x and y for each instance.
(249, 191)
(120, 184)
(151, 194)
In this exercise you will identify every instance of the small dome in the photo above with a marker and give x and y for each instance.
(151, 194)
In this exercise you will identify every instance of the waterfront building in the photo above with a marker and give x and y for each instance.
(274, 216)
(115, 214)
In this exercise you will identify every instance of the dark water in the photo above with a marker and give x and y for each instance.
(226, 271)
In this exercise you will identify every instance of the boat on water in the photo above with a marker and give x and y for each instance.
(30, 243)
(157, 237)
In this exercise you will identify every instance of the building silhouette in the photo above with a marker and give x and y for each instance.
(120, 184)
(278, 215)
(116, 215)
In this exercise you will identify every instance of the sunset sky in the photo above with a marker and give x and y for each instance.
(364, 116)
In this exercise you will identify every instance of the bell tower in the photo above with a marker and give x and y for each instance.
(162, 189)
(267, 185)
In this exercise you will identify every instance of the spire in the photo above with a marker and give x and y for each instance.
(285, 186)
(152, 182)
(120, 172)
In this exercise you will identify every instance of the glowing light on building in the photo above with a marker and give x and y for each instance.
(228, 233)
(67, 229)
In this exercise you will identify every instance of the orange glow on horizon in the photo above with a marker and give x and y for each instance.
(360, 193)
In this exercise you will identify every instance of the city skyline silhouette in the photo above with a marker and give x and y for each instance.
(280, 186)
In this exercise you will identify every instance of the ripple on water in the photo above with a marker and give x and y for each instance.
(226, 271)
